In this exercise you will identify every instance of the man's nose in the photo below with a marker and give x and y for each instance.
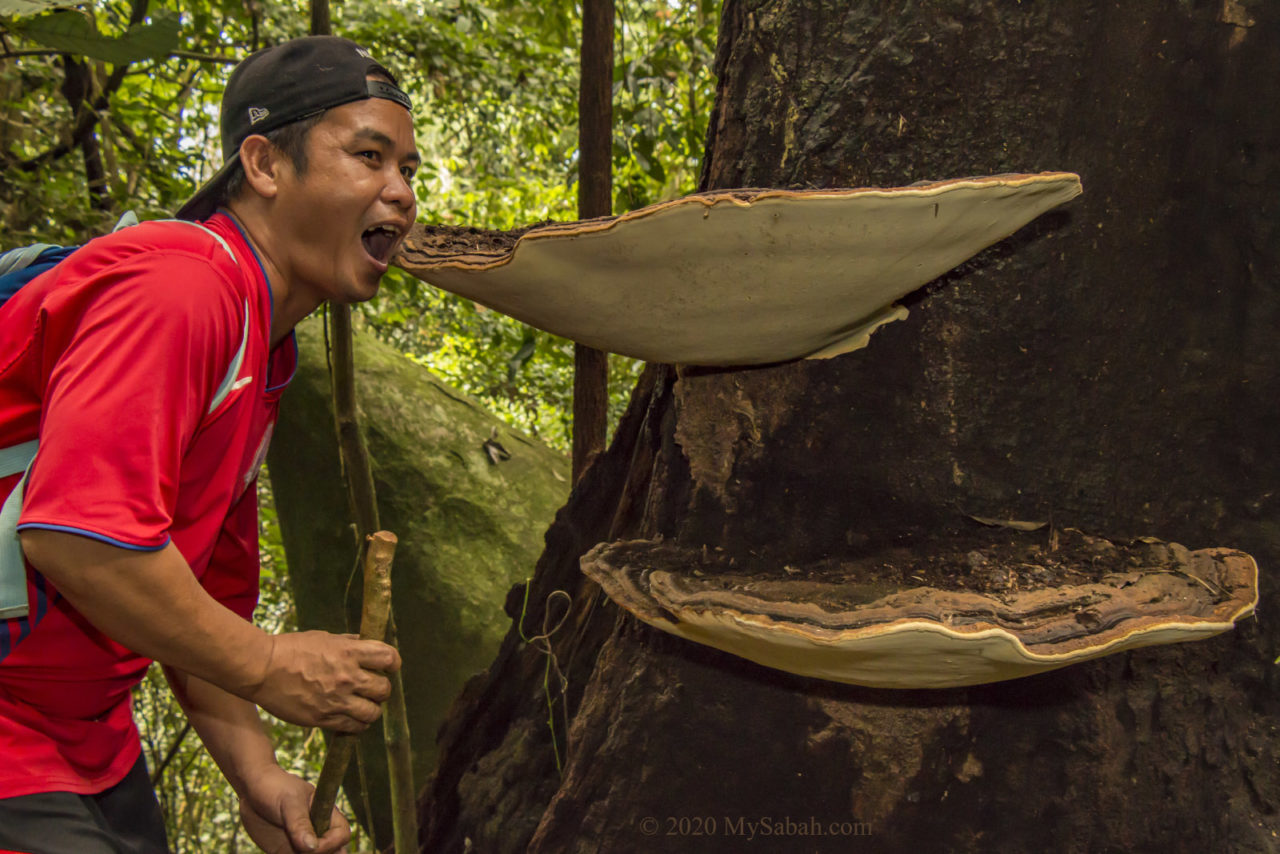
(397, 190)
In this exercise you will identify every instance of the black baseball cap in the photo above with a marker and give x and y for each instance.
(282, 84)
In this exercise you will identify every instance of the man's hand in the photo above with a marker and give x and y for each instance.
(274, 812)
(152, 603)
(320, 679)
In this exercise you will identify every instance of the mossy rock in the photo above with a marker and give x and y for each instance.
(470, 522)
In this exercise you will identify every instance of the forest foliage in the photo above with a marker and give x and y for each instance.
(84, 138)
(112, 106)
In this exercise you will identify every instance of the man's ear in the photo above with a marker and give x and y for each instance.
(262, 163)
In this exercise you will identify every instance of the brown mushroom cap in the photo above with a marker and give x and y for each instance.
(735, 277)
(852, 631)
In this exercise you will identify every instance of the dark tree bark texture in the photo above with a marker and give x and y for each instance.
(1112, 367)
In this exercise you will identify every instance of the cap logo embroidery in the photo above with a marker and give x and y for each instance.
(364, 53)
(257, 114)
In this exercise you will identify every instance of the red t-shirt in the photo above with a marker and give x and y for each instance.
(112, 360)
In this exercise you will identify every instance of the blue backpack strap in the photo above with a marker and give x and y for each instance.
(21, 265)
(17, 267)
(13, 571)
(22, 257)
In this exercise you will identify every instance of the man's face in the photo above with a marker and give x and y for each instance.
(340, 222)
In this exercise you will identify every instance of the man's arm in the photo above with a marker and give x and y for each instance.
(274, 804)
(151, 603)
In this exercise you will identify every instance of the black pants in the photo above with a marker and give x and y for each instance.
(124, 819)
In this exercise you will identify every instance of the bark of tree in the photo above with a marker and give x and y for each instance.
(1111, 367)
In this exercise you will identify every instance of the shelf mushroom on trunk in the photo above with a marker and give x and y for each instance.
(865, 622)
(752, 277)
(734, 277)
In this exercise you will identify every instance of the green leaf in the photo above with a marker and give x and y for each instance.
(73, 32)
(31, 7)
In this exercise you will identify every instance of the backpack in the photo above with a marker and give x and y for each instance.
(21, 265)
(17, 268)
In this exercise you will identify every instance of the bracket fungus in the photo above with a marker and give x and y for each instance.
(735, 277)
(999, 607)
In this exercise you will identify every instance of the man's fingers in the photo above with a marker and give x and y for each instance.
(293, 813)
(335, 840)
(374, 687)
(357, 717)
(315, 678)
(376, 655)
(365, 711)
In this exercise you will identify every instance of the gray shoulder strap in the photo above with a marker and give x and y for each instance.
(21, 258)
(13, 571)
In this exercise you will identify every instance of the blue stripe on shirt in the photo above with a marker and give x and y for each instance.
(102, 538)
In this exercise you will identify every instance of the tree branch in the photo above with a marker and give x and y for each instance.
(177, 54)
(86, 113)
(14, 54)
(373, 626)
(206, 57)
(170, 753)
(77, 86)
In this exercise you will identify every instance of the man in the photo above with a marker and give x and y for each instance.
(148, 366)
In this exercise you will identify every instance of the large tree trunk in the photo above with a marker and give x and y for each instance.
(1112, 367)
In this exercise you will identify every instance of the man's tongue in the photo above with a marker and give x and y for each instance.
(378, 243)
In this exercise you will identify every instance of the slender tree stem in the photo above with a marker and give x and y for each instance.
(363, 499)
(320, 25)
(375, 614)
(395, 732)
(170, 753)
(595, 198)
(206, 57)
(356, 467)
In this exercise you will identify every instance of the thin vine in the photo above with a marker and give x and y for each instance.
(542, 642)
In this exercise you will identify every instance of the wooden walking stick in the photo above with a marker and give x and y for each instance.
(375, 612)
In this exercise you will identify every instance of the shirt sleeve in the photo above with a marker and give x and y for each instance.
(131, 358)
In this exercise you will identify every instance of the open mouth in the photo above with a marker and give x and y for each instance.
(380, 241)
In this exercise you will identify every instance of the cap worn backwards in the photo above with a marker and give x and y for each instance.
(283, 84)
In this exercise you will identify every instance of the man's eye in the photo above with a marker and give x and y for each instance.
(408, 172)
(368, 155)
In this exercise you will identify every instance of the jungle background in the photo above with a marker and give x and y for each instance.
(112, 107)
